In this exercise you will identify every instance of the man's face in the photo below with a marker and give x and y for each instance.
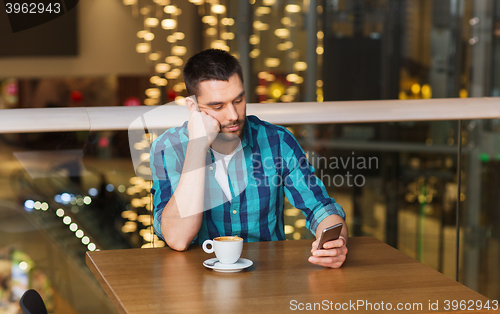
(225, 102)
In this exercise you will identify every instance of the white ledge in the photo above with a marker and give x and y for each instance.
(120, 118)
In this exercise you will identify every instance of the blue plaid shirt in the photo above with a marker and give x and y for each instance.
(268, 165)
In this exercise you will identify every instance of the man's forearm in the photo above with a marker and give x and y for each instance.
(183, 214)
(330, 221)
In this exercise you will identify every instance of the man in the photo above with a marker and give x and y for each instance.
(225, 173)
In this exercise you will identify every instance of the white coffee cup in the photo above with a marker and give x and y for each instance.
(227, 249)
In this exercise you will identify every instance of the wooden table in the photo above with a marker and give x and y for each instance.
(164, 281)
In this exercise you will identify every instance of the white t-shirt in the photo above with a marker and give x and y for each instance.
(221, 162)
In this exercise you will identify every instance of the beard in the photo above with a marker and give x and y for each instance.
(227, 137)
(227, 142)
(232, 136)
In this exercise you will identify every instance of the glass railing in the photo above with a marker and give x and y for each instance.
(395, 174)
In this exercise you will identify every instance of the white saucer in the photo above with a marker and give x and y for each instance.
(241, 264)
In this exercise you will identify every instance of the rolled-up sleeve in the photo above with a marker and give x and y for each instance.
(303, 189)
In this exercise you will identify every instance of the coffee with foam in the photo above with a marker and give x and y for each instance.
(227, 248)
(228, 239)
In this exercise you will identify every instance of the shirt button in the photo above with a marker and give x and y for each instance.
(211, 168)
(234, 211)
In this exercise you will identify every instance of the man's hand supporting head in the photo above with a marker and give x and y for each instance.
(183, 214)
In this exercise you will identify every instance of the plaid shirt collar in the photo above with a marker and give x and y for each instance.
(248, 137)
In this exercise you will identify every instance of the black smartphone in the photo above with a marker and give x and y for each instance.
(329, 234)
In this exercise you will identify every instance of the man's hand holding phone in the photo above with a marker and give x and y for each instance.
(330, 248)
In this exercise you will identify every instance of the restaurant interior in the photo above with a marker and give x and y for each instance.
(68, 192)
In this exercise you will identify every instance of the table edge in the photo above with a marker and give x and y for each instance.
(119, 306)
(105, 285)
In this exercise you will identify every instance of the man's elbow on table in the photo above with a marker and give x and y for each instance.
(175, 240)
(177, 244)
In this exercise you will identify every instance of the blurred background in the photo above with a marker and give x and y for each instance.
(64, 193)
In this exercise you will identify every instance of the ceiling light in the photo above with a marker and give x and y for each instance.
(162, 67)
(179, 50)
(154, 56)
(272, 62)
(143, 47)
(292, 77)
(168, 24)
(254, 39)
(209, 19)
(262, 11)
(172, 75)
(151, 22)
(300, 66)
(153, 92)
(268, 2)
(178, 61)
(150, 101)
(282, 32)
(218, 44)
(170, 9)
(227, 21)
(227, 36)
(211, 31)
(153, 79)
(149, 36)
(171, 39)
(179, 87)
(292, 8)
(162, 82)
(140, 34)
(258, 25)
(218, 8)
(171, 59)
(179, 35)
(254, 53)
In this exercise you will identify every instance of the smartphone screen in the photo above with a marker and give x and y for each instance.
(329, 234)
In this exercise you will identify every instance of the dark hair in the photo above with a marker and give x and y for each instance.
(210, 64)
